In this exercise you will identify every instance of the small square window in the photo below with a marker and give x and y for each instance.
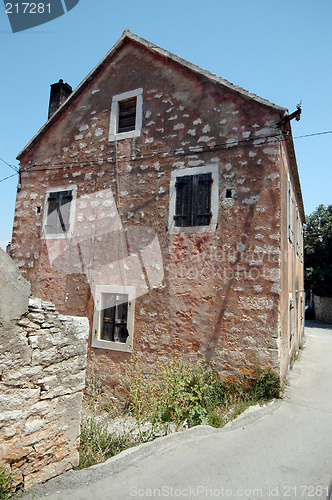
(126, 115)
(113, 320)
(228, 193)
(59, 212)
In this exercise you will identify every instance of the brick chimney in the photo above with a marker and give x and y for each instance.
(59, 93)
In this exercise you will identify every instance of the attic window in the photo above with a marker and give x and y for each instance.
(126, 115)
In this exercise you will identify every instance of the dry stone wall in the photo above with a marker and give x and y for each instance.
(323, 309)
(42, 376)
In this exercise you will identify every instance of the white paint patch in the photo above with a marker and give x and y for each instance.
(149, 140)
(269, 151)
(99, 132)
(179, 164)
(252, 154)
(192, 131)
(228, 166)
(161, 190)
(206, 129)
(172, 117)
(148, 114)
(83, 127)
(251, 201)
(195, 163)
(144, 167)
(205, 138)
(246, 134)
(83, 145)
(178, 126)
(223, 122)
(169, 109)
(95, 91)
(197, 121)
(78, 137)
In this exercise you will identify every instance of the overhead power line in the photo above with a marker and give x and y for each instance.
(167, 154)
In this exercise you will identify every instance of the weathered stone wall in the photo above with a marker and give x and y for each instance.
(42, 376)
(220, 296)
(323, 309)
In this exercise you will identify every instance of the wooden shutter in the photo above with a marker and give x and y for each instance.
(108, 317)
(193, 200)
(127, 115)
(52, 211)
(183, 203)
(64, 211)
(58, 212)
(202, 202)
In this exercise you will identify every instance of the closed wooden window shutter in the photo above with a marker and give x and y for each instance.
(58, 212)
(193, 200)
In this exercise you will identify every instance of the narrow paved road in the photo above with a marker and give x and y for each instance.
(283, 451)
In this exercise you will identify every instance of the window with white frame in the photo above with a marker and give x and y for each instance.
(193, 203)
(113, 322)
(59, 212)
(126, 115)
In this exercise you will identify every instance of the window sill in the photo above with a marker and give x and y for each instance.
(111, 346)
(192, 229)
(124, 135)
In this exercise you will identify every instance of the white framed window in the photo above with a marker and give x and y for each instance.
(126, 115)
(113, 320)
(59, 212)
(194, 199)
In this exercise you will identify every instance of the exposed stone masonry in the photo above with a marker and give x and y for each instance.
(42, 376)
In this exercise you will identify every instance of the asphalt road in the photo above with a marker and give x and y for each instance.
(281, 451)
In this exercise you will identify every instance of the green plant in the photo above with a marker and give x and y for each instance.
(97, 444)
(8, 488)
(93, 387)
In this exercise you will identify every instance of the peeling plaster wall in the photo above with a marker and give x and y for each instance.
(220, 296)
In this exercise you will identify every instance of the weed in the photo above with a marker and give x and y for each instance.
(97, 444)
(8, 488)
(169, 395)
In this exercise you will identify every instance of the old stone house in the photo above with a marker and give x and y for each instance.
(164, 203)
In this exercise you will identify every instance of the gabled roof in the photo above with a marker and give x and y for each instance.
(127, 35)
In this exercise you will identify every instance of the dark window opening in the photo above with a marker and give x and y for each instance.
(38, 210)
(229, 193)
(193, 200)
(127, 115)
(114, 317)
(58, 213)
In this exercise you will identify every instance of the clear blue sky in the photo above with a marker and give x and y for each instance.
(280, 50)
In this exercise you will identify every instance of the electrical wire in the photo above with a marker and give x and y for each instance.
(167, 153)
(9, 165)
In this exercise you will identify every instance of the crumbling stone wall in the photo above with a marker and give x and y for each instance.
(42, 376)
(323, 309)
